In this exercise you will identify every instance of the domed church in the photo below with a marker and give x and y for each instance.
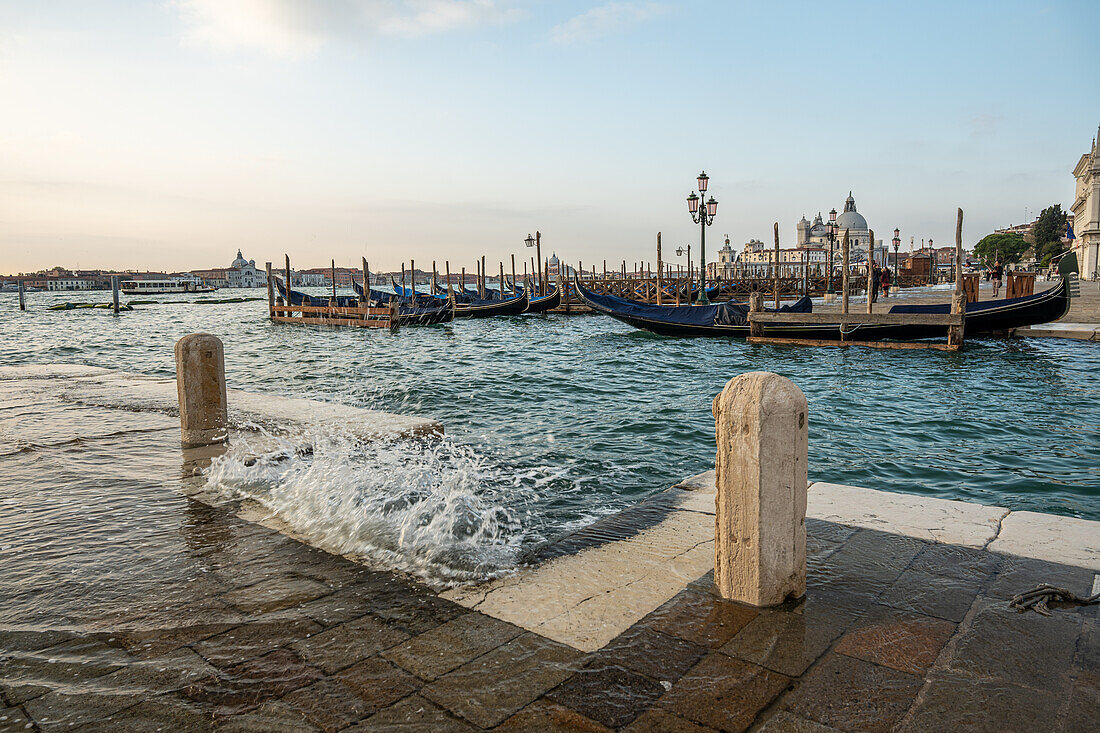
(859, 233)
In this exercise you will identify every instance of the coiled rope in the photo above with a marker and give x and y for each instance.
(1038, 598)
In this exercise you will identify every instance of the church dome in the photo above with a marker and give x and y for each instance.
(240, 261)
(819, 230)
(851, 220)
(554, 259)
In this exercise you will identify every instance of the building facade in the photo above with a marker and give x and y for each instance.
(1086, 213)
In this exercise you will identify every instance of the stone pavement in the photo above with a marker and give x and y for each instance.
(894, 633)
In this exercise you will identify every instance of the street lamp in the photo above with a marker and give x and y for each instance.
(897, 244)
(703, 215)
(832, 245)
(536, 242)
(680, 253)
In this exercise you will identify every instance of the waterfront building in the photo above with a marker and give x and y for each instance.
(1086, 213)
(68, 283)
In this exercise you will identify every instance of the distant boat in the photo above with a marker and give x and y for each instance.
(163, 287)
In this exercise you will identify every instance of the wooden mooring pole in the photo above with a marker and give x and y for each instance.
(870, 271)
(22, 296)
(955, 334)
(844, 280)
(775, 269)
(659, 268)
(450, 290)
(287, 282)
(114, 293)
(270, 293)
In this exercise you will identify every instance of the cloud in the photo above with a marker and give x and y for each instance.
(294, 28)
(606, 19)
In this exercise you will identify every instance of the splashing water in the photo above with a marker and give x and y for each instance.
(434, 509)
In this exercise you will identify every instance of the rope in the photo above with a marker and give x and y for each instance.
(1038, 598)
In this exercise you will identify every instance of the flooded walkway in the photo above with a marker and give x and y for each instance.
(127, 605)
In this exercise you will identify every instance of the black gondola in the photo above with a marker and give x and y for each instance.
(545, 302)
(487, 308)
(731, 319)
(407, 314)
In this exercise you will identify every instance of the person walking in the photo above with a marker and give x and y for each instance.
(876, 282)
(995, 274)
(886, 282)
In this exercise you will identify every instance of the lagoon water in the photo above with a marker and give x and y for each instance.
(554, 421)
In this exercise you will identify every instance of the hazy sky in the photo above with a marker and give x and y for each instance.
(168, 133)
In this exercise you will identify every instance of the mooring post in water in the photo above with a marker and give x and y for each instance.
(756, 305)
(287, 284)
(270, 292)
(114, 293)
(844, 278)
(775, 273)
(760, 468)
(870, 270)
(22, 296)
(958, 299)
(660, 266)
(200, 382)
(450, 290)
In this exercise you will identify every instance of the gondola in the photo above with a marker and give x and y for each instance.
(487, 308)
(475, 307)
(732, 319)
(407, 314)
(546, 302)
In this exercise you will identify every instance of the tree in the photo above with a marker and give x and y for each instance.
(1007, 248)
(1047, 233)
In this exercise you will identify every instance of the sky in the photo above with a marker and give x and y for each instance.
(166, 134)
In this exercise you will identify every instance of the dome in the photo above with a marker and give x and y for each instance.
(819, 230)
(554, 259)
(851, 220)
(240, 261)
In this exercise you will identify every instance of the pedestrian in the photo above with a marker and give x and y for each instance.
(995, 274)
(886, 282)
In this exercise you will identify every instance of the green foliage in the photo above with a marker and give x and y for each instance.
(1008, 248)
(1048, 232)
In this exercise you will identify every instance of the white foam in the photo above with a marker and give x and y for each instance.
(430, 508)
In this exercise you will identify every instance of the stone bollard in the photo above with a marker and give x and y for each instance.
(200, 382)
(760, 472)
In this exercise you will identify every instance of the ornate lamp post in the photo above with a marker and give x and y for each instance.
(832, 244)
(536, 242)
(704, 217)
(897, 243)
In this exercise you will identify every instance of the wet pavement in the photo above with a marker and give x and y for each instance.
(127, 605)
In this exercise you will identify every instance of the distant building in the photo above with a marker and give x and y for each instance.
(241, 273)
(1086, 213)
(859, 234)
(71, 282)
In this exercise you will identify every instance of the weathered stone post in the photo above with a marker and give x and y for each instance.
(760, 473)
(200, 381)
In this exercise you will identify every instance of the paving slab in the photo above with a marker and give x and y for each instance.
(1050, 537)
(923, 517)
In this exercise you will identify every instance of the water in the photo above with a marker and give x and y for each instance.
(554, 421)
